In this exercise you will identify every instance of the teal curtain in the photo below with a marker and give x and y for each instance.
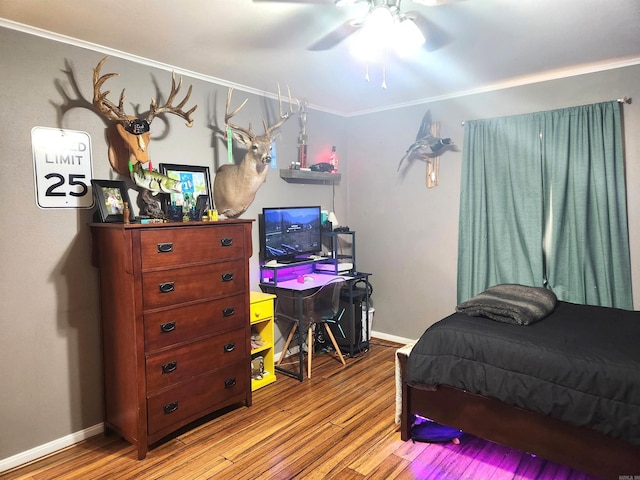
(588, 242)
(543, 203)
(501, 207)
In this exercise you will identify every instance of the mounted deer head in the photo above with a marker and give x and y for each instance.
(129, 139)
(235, 185)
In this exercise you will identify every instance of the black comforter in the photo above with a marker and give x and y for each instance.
(581, 364)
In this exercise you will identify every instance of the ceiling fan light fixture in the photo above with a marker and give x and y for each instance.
(407, 38)
(364, 46)
(385, 30)
(380, 20)
(376, 34)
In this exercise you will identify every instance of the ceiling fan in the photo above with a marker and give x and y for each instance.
(432, 36)
(383, 28)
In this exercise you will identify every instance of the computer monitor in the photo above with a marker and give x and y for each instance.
(289, 232)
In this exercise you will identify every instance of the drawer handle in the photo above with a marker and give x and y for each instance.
(229, 347)
(227, 277)
(167, 287)
(165, 247)
(169, 367)
(227, 312)
(169, 408)
(226, 242)
(168, 327)
(228, 383)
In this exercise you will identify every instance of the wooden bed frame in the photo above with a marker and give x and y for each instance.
(576, 447)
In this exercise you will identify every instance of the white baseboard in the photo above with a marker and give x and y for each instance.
(67, 441)
(392, 338)
(48, 448)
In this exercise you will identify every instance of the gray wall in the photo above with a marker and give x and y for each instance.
(50, 358)
(406, 234)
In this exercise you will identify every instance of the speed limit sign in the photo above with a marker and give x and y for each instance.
(62, 167)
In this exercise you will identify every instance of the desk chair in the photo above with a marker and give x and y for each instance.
(320, 307)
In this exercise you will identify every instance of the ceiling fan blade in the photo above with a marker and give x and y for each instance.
(435, 37)
(336, 36)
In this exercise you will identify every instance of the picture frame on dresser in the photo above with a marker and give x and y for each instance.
(196, 183)
(110, 197)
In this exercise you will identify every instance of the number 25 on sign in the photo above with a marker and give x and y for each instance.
(62, 167)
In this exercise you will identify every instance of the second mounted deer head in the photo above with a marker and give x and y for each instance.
(235, 185)
(129, 138)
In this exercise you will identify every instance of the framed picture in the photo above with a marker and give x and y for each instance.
(110, 196)
(196, 186)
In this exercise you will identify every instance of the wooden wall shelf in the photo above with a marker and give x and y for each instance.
(304, 176)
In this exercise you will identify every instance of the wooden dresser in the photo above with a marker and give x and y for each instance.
(175, 322)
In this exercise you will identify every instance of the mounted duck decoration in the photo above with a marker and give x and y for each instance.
(235, 185)
(129, 138)
(428, 147)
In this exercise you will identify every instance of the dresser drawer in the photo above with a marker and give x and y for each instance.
(190, 360)
(197, 397)
(180, 324)
(178, 246)
(164, 288)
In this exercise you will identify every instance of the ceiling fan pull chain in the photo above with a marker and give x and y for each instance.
(384, 70)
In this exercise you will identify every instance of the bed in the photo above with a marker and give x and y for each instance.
(565, 386)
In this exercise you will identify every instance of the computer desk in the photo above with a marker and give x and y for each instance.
(299, 290)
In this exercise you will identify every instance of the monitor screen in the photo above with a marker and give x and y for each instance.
(288, 232)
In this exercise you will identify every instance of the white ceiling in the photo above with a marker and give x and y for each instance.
(483, 44)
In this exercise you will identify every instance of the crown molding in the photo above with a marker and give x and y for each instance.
(549, 75)
(128, 56)
(517, 82)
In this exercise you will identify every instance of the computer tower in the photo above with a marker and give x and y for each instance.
(348, 329)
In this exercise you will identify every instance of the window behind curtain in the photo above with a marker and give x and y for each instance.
(543, 203)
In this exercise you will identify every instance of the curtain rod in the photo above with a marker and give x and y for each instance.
(626, 100)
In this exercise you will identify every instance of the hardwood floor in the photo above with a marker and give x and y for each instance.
(338, 425)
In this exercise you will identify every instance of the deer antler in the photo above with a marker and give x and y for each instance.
(116, 112)
(283, 116)
(168, 108)
(100, 100)
(228, 116)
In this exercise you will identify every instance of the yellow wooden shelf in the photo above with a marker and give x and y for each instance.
(267, 378)
(261, 312)
(261, 349)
